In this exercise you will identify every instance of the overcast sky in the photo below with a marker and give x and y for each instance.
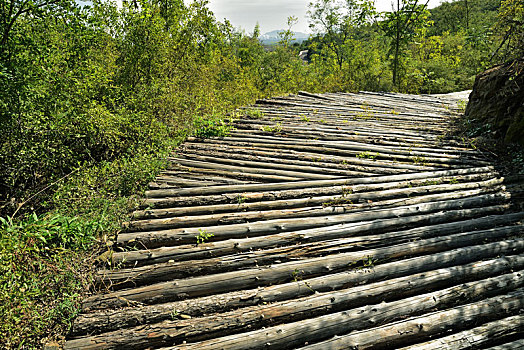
(273, 14)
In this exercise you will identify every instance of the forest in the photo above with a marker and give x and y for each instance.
(94, 95)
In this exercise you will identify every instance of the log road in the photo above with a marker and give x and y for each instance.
(322, 221)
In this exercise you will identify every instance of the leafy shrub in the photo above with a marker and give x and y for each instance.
(40, 283)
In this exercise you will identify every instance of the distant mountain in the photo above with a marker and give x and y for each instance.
(272, 37)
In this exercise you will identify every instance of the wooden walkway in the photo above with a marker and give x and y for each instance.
(334, 221)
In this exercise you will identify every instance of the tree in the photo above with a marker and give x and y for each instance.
(511, 26)
(287, 36)
(407, 20)
(335, 21)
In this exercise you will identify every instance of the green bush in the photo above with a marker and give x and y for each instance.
(40, 282)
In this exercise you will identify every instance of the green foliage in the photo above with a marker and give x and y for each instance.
(212, 127)
(40, 283)
(510, 24)
(92, 99)
(203, 236)
(367, 155)
(272, 128)
(406, 22)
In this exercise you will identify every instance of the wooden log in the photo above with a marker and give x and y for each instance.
(352, 130)
(291, 335)
(240, 175)
(283, 272)
(175, 332)
(285, 194)
(319, 96)
(352, 145)
(277, 163)
(387, 336)
(272, 163)
(177, 236)
(388, 246)
(350, 134)
(105, 321)
(253, 168)
(342, 150)
(291, 157)
(195, 176)
(424, 118)
(381, 229)
(344, 199)
(174, 183)
(477, 337)
(330, 206)
(312, 152)
(317, 183)
(420, 328)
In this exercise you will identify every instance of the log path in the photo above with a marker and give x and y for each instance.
(333, 221)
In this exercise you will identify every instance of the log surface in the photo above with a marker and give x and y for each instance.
(323, 221)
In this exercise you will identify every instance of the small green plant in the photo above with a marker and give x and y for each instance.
(431, 183)
(339, 201)
(369, 261)
(296, 276)
(419, 160)
(346, 191)
(212, 127)
(367, 155)
(272, 128)
(304, 118)
(453, 181)
(174, 314)
(255, 113)
(203, 236)
(461, 105)
(241, 199)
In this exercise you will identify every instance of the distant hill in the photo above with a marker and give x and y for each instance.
(272, 37)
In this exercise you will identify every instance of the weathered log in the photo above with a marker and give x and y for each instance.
(334, 134)
(421, 328)
(239, 175)
(280, 156)
(283, 272)
(390, 246)
(317, 183)
(344, 199)
(359, 147)
(253, 168)
(295, 334)
(272, 196)
(351, 130)
(476, 337)
(256, 162)
(174, 182)
(340, 150)
(381, 229)
(104, 321)
(177, 236)
(330, 206)
(320, 154)
(173, 332)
